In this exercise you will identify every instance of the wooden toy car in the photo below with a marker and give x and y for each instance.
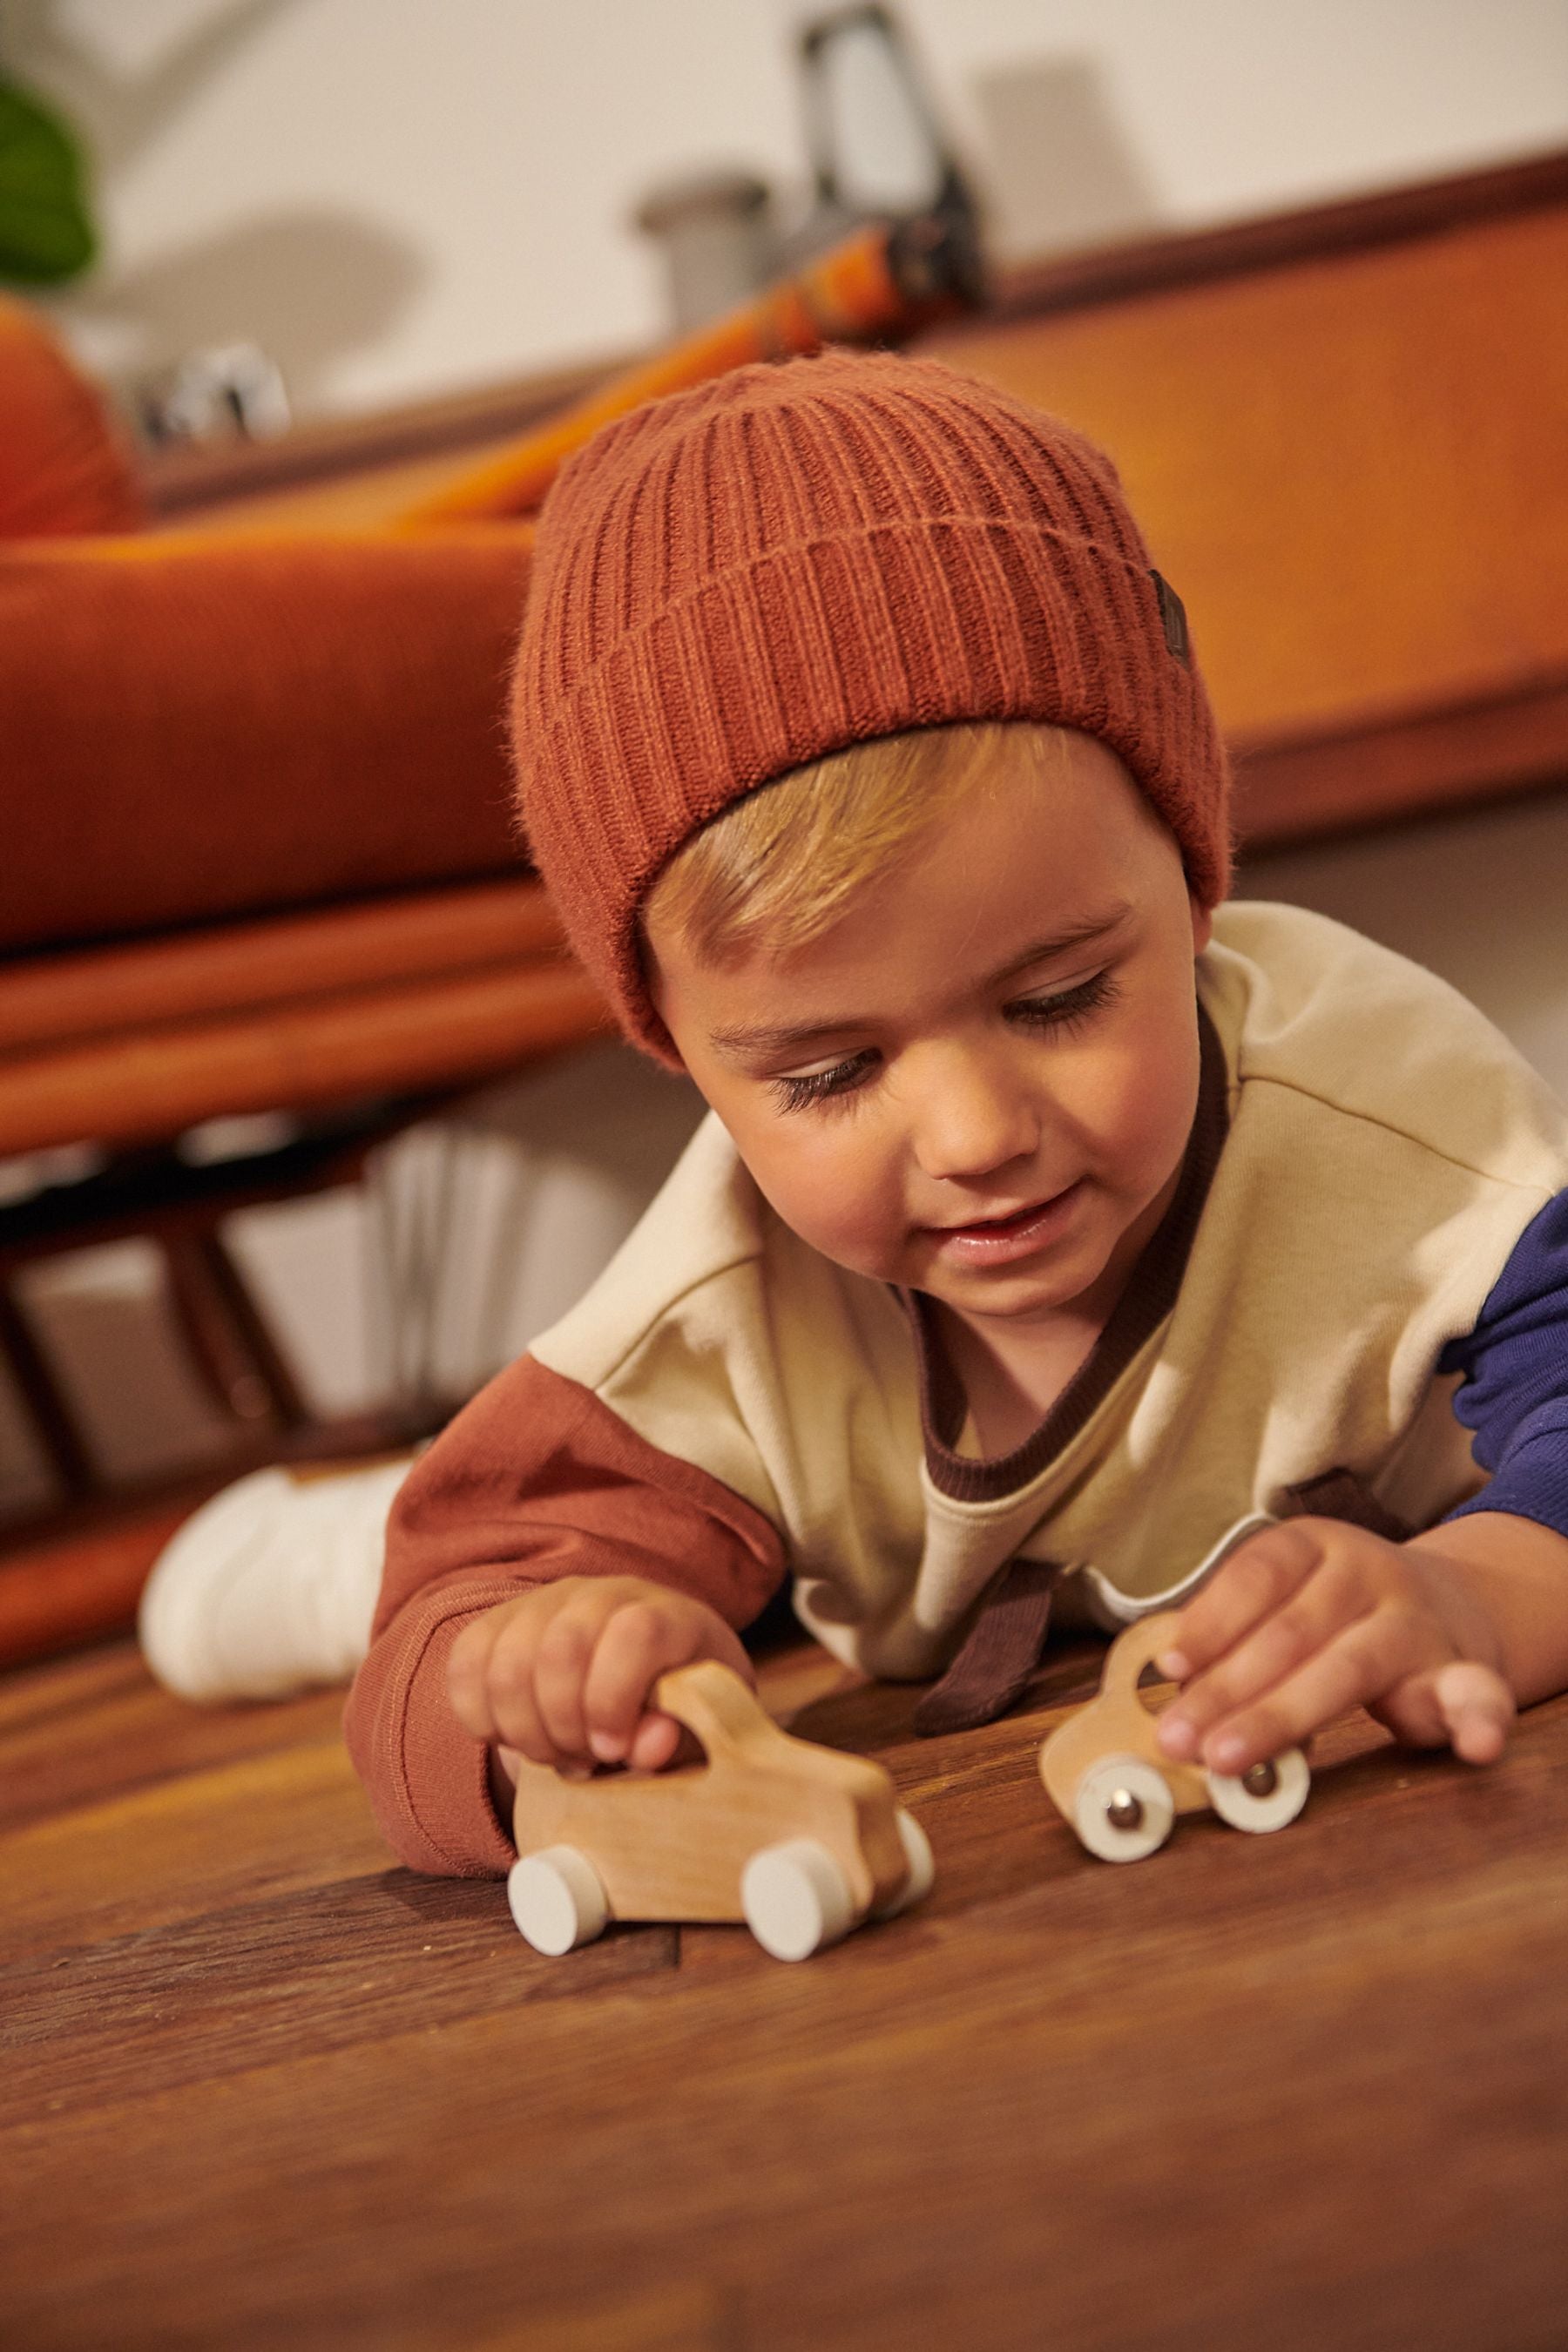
(800, 1842)
(1105, 1775)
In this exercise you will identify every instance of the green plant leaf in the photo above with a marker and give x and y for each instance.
(45, 233)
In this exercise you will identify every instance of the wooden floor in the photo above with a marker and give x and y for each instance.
(259, 2088)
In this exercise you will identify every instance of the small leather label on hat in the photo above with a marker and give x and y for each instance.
(1173, 619)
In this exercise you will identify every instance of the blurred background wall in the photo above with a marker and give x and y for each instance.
(397, 198)
(401, 198)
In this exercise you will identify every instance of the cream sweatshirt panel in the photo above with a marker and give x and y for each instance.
(1304, 1001)
(705, 1218)
(1262, 1385)
(796, 1385)
(722, 1337)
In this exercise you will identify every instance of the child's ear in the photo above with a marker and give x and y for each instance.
(1203, 925)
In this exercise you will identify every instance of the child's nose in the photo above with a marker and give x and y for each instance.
(973, 1118)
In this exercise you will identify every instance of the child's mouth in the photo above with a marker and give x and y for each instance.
(994, 1240)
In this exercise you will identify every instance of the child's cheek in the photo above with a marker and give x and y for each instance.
(1139, 1106)
(834, 1191)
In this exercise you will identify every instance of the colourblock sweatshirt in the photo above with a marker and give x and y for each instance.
(1367, 1225)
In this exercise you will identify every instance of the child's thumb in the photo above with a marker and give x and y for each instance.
(1476, 1708)
(1461, 1705)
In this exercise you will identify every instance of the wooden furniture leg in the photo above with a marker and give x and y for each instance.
(231, 1345)
(43, 1399)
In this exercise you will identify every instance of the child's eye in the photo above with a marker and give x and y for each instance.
(820, 1086)
(1070, 1004)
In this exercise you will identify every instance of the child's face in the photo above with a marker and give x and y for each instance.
(979, 1083)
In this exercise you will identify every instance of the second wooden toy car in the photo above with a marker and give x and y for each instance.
(801, 1843)
(1105, 1775)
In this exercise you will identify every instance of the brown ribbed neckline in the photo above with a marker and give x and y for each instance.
(1149, 1295)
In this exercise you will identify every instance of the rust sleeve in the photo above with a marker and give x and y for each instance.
(534, 1479)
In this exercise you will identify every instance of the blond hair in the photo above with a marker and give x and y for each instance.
(784, 865)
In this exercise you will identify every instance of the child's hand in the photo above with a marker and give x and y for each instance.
(1308, 1619)
(563, 1674)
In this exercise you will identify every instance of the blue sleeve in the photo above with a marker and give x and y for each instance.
(1513, 1390)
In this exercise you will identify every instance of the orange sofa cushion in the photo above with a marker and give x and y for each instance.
(195, 729)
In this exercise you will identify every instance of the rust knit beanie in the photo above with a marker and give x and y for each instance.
(744, 577)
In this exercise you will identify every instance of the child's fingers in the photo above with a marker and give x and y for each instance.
(490, 1673)
(638, 1644)
(564, 1672)
(1257, 1577)
(468, 1673)
(562, 1656)
(1365, 1658)
(513, 1716)
(1275, 1647)
(462, 1684)
(654, 1743)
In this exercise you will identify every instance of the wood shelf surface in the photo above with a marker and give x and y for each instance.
(1354, 472)
(470, 422)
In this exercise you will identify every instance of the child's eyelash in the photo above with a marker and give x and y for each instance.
(821, 1086)
(1072, 1005)
(1042, 1013)
(842, 1081)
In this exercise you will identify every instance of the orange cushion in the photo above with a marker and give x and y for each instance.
(62, 465)
(195, 728)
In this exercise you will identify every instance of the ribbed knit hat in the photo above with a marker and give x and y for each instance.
(744, 577)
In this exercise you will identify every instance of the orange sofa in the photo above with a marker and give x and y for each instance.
(195, 727)
(259, 856)
(260, 853)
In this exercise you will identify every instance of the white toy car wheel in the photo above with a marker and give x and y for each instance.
(922, 1868)
(1123, 1809)
(796, 1899)
(1266, 1797)
(557, 1900)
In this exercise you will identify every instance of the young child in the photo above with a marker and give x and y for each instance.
(1057, 1226)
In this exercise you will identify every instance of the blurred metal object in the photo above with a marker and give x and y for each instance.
(717, 231)
(879, 162)
(233, 391)
(934, 260)
(877, 147)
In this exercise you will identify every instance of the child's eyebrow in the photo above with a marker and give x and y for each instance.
(767, 1037)
(1092, 929)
